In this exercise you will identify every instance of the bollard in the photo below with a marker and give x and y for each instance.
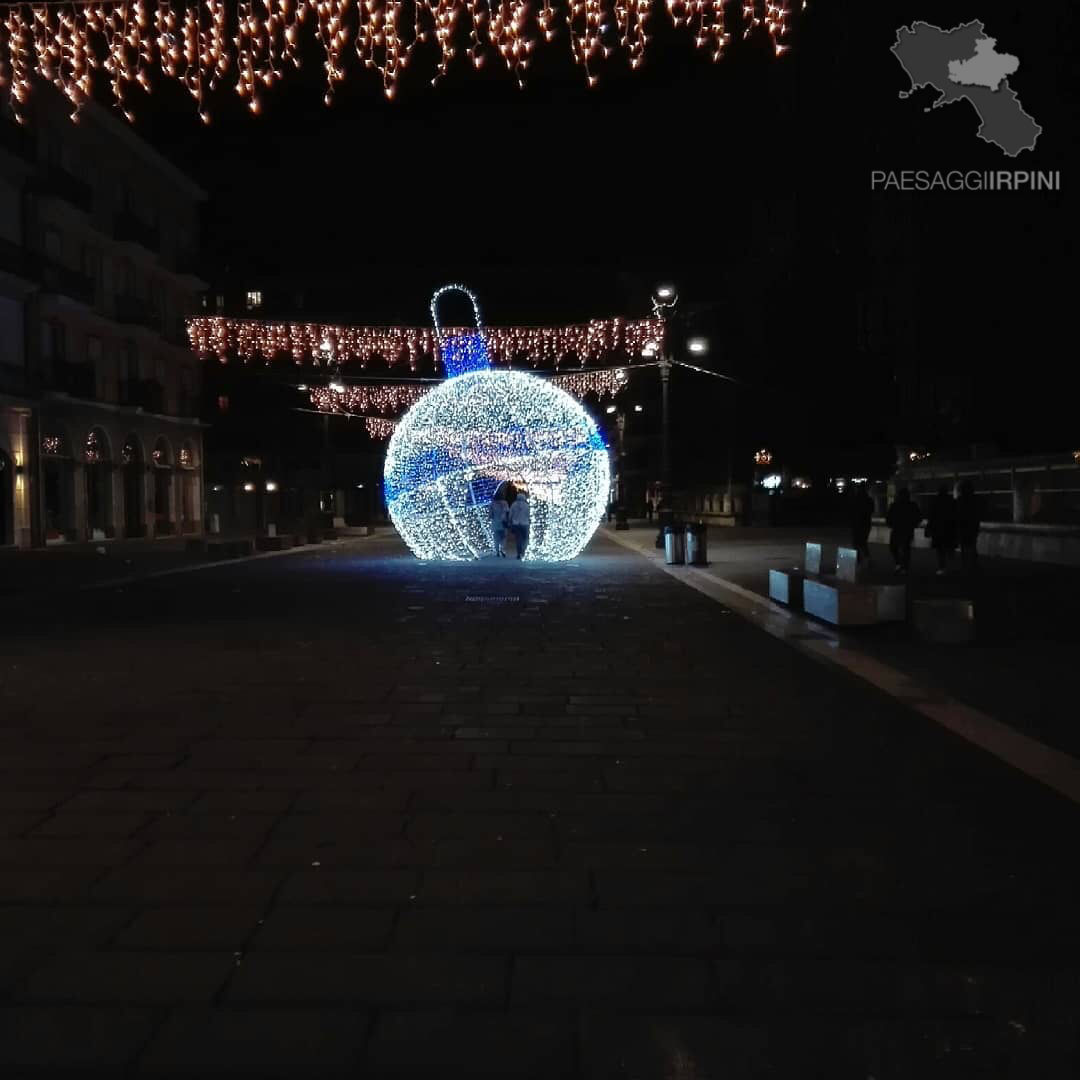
(673, 545)
(696, 543)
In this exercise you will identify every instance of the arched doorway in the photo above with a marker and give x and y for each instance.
(186, 473)
(134, 486)
(162, 470)
(7, 500)
(97, 471)
(59, 476)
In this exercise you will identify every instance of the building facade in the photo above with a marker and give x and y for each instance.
(99, 391)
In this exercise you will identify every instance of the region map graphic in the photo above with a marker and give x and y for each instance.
(964, 64)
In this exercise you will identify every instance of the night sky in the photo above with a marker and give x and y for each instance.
(746, 182)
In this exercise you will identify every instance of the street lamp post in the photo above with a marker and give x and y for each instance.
(664, 301)
(621, 522)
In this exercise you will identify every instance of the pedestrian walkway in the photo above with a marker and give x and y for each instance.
(348, 814)
(1019, 669)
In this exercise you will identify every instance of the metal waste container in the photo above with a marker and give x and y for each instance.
(696, 543)
(673, 545)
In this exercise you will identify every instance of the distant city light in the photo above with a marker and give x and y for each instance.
(763, 457)
(610, 409)
(638, 408)
(249, 486)
(665, 292)
(337, 388)
(800, 483)
(359, 485)
(302, 386)
(699, 346)
(772, 481)
(271, 486)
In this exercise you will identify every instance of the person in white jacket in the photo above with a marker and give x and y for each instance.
(519, 523)
(500, 518)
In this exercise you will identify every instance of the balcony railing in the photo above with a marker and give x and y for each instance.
(131, 228)
(187, 262)
(60, 279)
(75, 379)
(61, 184)
(132, 309)
(15, 259)
(148, 394)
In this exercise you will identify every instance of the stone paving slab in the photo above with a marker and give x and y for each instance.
(320, 816)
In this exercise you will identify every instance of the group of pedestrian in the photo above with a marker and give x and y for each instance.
(510, 513)
(950, 523)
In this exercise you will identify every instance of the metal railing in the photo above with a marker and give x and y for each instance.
(128, 227)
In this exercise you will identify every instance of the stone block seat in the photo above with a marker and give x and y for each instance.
(846, 598)
(830, 587)
(786, 586)
(944, 620)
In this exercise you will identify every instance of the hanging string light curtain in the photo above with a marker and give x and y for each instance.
(249, 45)
(319, 344)
(384, 398)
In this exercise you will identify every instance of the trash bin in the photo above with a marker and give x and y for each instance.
(696, 543)
(673, 545)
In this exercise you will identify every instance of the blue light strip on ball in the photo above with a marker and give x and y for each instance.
(461, 352)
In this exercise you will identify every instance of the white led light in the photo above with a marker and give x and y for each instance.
(453, 448)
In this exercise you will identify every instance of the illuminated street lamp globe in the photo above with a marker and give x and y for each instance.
(454, 448)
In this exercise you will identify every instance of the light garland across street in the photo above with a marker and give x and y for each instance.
(249, 45)
(379, 398)
(361, 399)
(549, 346)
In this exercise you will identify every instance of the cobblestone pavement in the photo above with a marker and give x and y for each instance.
(344, 814)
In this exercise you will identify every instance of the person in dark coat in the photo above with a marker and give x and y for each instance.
(903, 518)
(941, 527)
(862, 519)
(968, 520)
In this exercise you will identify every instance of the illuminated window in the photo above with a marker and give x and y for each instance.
(253, 300)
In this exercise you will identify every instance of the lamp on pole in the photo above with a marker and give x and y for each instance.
(664, 300)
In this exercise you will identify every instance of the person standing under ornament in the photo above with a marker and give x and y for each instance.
(500, 518)
(519, 522)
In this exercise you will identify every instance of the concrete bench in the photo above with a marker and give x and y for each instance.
(845, 603)
(786, 586)
(944, 621)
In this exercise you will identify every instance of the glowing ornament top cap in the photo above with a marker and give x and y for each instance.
(460, 353)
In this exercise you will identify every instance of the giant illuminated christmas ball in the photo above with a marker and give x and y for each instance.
(451, 451)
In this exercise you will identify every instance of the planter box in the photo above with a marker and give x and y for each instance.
(273, 543)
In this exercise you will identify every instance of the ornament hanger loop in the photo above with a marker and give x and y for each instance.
(454, 288)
